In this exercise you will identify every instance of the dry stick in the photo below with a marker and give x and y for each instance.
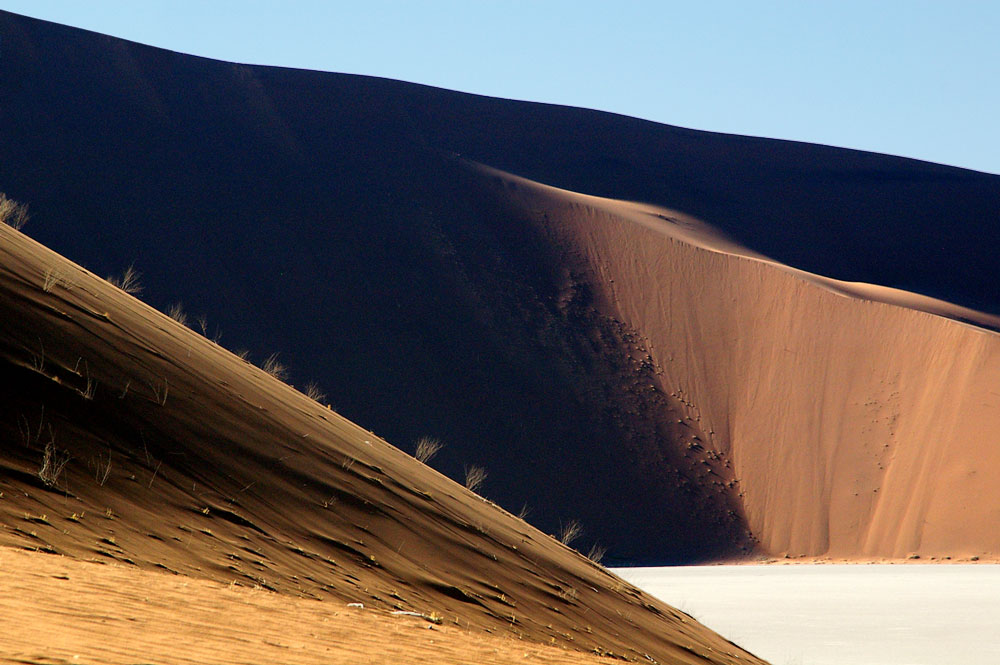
(149, 458)
(91, 388)
(160, 395)
(103, 470)
(38, 362)
(154, 474)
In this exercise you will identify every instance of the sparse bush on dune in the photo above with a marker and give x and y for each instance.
(427, 448)
(128, 282)
(474, 477)
(12, 213)
(275, 368)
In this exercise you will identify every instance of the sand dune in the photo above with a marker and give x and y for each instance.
(131, 440)
(860, 420)
(765, 351)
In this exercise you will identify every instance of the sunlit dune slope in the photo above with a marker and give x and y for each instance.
(63, 610)
(180, 456)
(860, 421)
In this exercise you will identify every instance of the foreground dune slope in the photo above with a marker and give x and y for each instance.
(128, 438)
(59, 610)
(859, 421)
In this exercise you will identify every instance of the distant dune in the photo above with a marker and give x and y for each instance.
(860, 421)
(701, 346)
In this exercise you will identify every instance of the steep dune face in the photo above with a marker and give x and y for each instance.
(857, 424)
(129, 438)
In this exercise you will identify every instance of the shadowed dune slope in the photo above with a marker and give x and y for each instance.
(338, 220)
(181, 456)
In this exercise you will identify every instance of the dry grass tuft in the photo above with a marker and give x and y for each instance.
(128, 282)
(314, 393)
(570, 532)
(12, 213)
(275, 368)
(474, 477)
(427, 448)
(53, 462)
(596, 553)
(102, 468)
(176, 312)
(54, 278)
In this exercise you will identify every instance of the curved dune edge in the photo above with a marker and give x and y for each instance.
(697, 233)
(860, 427)
(186, 459)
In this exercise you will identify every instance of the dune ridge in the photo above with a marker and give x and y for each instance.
(859, 419)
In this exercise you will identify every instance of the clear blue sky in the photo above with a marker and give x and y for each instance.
(919, 79)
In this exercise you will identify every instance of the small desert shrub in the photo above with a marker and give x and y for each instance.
(314, 393)
(427, 448)
(12, 213)
(128, 282)
(275, 368)
(474, 477)
(570, 532)
(53, 463)
(176, 312)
